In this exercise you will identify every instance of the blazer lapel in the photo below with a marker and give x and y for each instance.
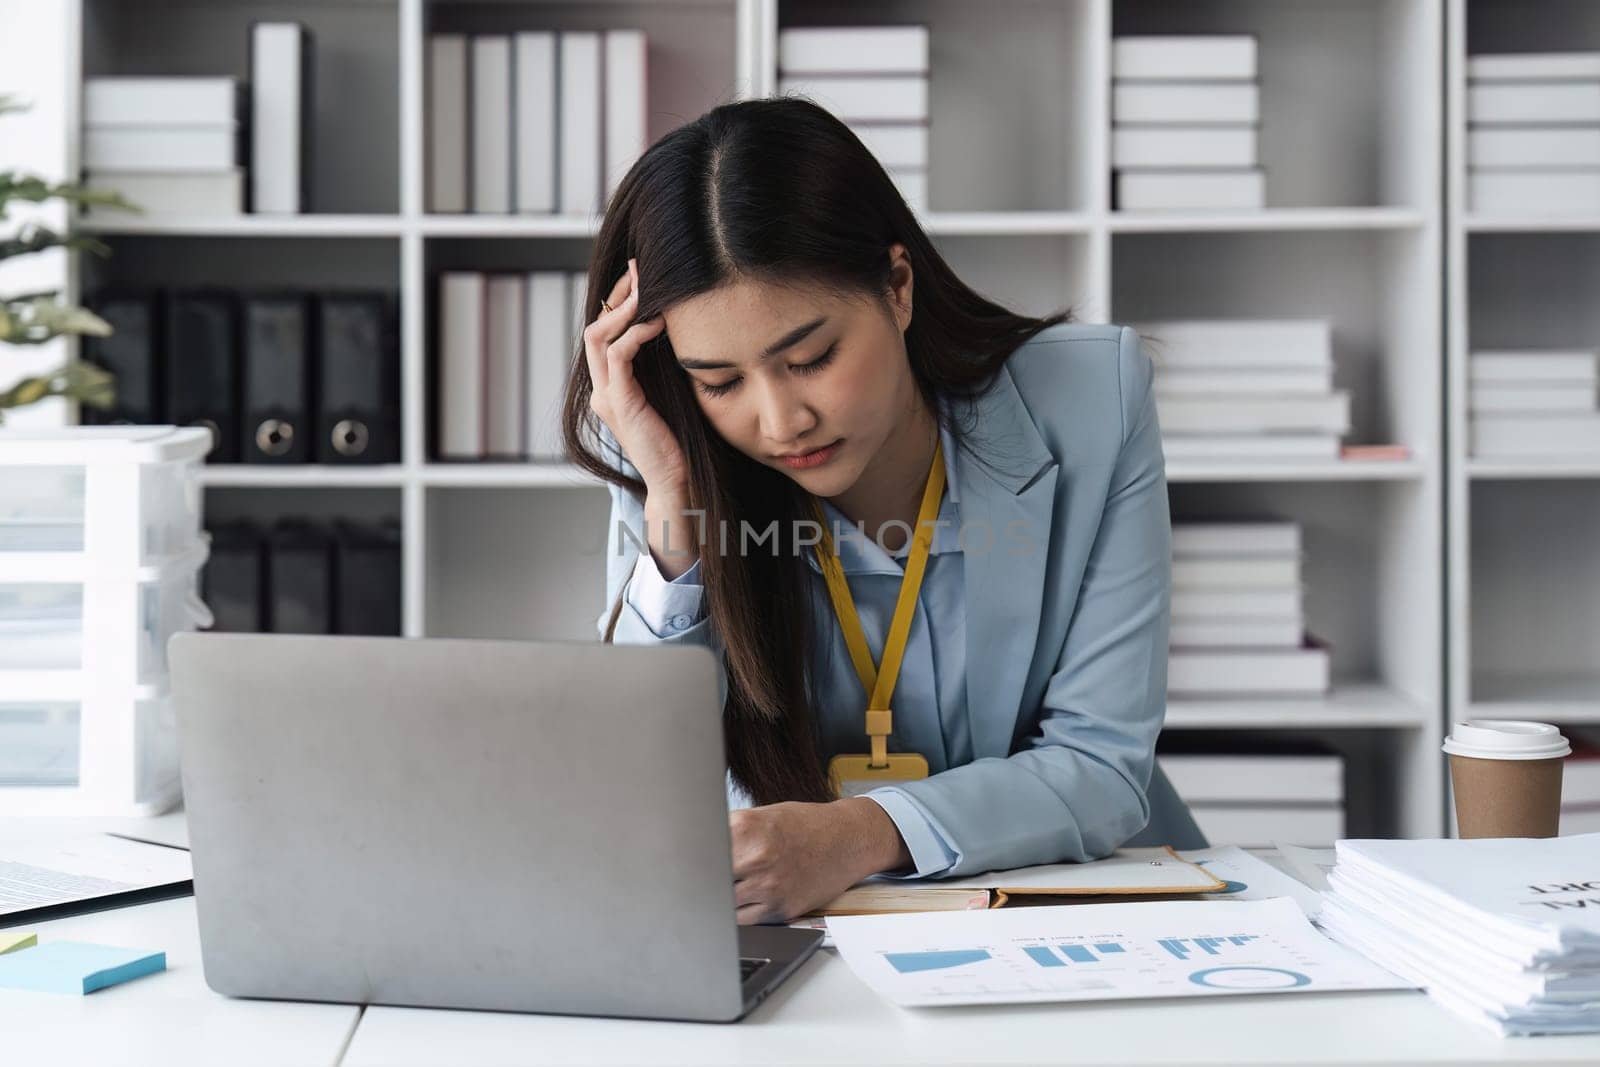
(1004, 574)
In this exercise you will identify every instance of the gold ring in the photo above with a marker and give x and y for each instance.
(605, 306)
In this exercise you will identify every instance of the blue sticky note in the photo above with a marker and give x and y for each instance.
(76, 966)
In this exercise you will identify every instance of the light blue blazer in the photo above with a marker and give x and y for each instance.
(1063, 642)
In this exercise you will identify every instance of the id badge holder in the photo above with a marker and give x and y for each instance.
(854, 775)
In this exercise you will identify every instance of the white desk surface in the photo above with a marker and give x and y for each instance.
(822, 1014)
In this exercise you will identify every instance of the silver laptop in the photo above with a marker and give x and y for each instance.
(517, 826)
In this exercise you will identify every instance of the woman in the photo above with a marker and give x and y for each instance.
(796, 382)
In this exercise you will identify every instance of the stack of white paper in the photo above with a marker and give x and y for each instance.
(534, 123)
(1237, 615)
(1185, 114)
(875, 80)
(169, 145)
(1246, 389)
(505, 342)
(1534, 404)
(1505, 931)
(1533, 140)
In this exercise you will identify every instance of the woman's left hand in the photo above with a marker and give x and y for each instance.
(793, 857)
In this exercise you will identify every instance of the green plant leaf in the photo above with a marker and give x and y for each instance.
(83, 382)
(35, 321)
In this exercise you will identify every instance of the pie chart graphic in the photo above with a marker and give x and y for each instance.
(1249, 978)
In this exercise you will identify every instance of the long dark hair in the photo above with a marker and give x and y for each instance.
(780, 191)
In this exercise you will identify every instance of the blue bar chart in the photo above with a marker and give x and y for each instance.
(1183, 948)
(1062, 955)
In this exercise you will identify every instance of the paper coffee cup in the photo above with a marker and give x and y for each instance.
(1507, 777)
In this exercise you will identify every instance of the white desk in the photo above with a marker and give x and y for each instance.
(822, 1014)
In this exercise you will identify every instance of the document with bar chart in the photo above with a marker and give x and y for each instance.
(1099, 952)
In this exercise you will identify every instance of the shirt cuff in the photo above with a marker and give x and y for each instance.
(931, 852)
(668, 608)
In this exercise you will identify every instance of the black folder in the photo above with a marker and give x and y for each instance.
(202, 367)
(367, 599)
(231, 584)
(358, 419)
(131, 353)
(299, 578)
(277, 379)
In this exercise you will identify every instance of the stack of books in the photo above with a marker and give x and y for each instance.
(177, 146)
(1533, 137)
(1185, 113)
(1535, 403)
(505, 342)
(1256, 799)
(1246, 389)
(1580, 785)
(1237, 618)
(875, 80)
(169, 145)
(533, 123)
(1503, 931)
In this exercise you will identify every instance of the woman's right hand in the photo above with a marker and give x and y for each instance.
(610, 344)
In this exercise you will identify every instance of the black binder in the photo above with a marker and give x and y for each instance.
(358, 419)
(367, 570)
(299, 578)
(231, 582)
(277, 379)
(131, 354)
(202, 367)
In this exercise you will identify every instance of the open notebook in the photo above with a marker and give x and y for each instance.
(1128, 872)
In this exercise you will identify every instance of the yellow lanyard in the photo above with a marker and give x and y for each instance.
(878, 681)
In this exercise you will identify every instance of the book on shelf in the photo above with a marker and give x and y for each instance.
(161, 149)
(1534, 66)
(1302, 671)
(1375, 453)
(1516, 398)
(895, 145)
(537, 133)
(581, 116)
(448, 123)
(863, 98)
(1203, 603)
(853, 49)
(282, 105)
(162, 101)
(1183, 104)
(1241, 189)
(1284, 632)
(1532, 147)
(1263, 826)
(1198, 57)
(1534, 103)
(626, 79)
(1547, 193)
(505, 354)
(1217, 538)
(1287, 774)
(1534, 366)
(1255, 414)
(1257, 344)
(1241, 447)
(491, 124)
(1243, 381)
(505, 341)
(193, 194)
(1127, 873)
(1239, 572)
(1228, 147)
(1550, 436)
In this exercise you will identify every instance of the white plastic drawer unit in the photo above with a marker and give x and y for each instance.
(100, 556)
(115, 628)
(97, 498)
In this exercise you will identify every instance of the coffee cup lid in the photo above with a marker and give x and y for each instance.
(1506, 739)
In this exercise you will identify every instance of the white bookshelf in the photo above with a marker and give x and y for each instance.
(1523, 596)
(1020, 205)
